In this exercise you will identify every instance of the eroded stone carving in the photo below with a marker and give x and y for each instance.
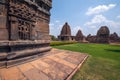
(24, 29)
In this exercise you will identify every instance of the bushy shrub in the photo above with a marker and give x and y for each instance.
(57, 43)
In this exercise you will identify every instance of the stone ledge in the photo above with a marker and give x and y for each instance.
(20, 42)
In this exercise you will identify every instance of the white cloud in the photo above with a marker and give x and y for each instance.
(59, 27)
(57, 21)
(101, 20)
(97, 19)
(55, 28)
(93, 27)
(113, 24)
(118, 16)
(99, 9)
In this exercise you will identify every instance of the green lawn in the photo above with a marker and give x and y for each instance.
(103, 62)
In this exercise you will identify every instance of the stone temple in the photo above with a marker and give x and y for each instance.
(79, 36)
(24, 30)
(65, 33)
(114, 37)
(91, 38)
(103, 35)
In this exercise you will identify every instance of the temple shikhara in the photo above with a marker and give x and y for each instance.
(79, 36)
(65, 34)
(24, 30)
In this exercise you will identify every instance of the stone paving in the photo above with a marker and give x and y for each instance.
(54, 65)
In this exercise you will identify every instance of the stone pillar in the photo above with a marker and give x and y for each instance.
(33, 33)
(13, 28)
(3, 22)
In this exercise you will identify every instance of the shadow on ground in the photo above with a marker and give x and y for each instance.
(113, 50)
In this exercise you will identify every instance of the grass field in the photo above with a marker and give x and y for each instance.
(103, 62)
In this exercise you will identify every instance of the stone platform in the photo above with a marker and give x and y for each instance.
(54, 65)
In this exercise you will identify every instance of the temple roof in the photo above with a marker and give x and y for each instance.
(103, 30)
(79, 33)
(66, 30)
(115, 35)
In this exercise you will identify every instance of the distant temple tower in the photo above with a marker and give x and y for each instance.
(65, 33)
(79, 36)
(103, 35)
(24, 30)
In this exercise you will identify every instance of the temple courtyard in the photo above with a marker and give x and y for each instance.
(103, 62)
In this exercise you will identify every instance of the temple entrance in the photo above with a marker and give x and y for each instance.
(62, 38)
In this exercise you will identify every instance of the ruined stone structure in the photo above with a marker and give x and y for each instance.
(79, 36)
(91, 38)
(65, 33)
(24, 30)
(103, 35)
(114, 37)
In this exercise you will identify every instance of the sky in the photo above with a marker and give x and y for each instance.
(86, 15)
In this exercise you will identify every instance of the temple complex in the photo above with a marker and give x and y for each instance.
(24, 30)
(65, 34)
(91, 38)
(101, 37)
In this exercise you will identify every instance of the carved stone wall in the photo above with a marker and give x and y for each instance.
(3, 21)
(25, 15)
(24, 30)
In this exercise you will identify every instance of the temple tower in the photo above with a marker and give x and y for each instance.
(103, 35)
(79, 36)
(65, 33)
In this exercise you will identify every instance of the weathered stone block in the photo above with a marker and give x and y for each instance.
(4, 34)
(3, 22)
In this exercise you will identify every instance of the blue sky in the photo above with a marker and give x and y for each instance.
(87, 15)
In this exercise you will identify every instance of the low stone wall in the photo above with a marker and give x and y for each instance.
(12, 52)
